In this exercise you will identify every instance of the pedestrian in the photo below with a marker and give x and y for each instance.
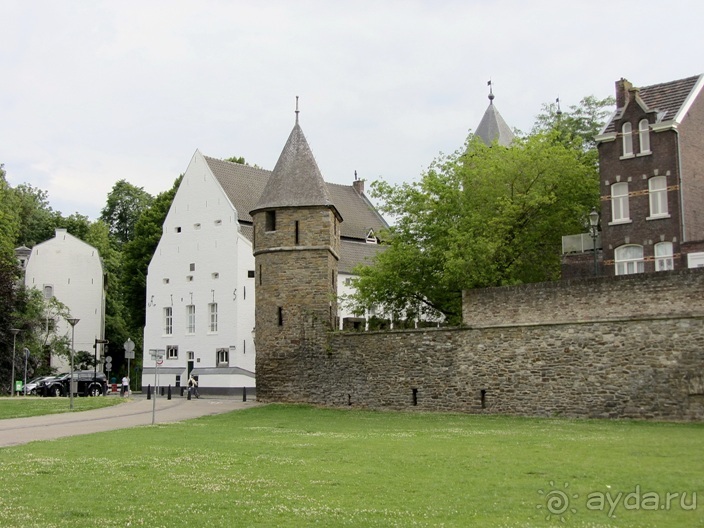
(193, 386)
(125, 386)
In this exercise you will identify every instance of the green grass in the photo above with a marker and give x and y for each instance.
(295, 466)
(22, 407)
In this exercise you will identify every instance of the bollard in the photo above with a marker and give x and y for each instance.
(182, 392)
(149, 392)
(162, 391)
(189, 393)
(168, 394)
(244, 394)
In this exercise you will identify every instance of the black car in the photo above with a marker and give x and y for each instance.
(89, 383)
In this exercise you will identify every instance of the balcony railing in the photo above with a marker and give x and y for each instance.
(579, 243)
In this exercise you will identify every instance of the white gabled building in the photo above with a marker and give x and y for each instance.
(200, 282)
(67, 268)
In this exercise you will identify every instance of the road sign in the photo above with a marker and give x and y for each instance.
(160, 361)
(108, 359)
(156, 353)
(129, 349)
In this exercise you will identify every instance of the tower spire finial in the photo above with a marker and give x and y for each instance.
(491, 92)
(297, 110)
(559, 111)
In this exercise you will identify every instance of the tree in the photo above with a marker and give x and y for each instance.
(37, 219)
(583, 121)
(124, 206)
(9, 228)
(483, 216)
(139, 251)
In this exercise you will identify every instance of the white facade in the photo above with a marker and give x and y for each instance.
(200, 297)
(67, 268)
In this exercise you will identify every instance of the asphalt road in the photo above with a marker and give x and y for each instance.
(136, 412)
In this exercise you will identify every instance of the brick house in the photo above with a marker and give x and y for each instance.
(651, 167)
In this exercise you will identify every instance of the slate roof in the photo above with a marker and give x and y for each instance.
(353, 253)
(244, 186)
(667, 99)
(296, 180)
(493, 127)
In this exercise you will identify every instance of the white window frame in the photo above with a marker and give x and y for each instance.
(168, 320)
(664, 256)
(627, 137)
(628, 259)
(657, 195)
(620, 212)
(644, 137)
(212, 317)
(171, 351)
(222, 357)
(191, 319)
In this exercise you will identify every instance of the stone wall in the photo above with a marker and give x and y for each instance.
(649, 366)
(652, 295)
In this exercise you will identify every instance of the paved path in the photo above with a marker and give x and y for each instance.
(136, 412)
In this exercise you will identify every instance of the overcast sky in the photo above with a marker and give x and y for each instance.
(97, 91)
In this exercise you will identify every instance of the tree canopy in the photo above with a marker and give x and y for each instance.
(483, 216)
(124, 205)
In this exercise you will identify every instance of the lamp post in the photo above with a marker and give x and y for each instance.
(14, 331)
(594, 232)
(26, 359)
(73, 322)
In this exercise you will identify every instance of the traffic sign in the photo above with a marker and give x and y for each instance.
(108, 359)
(129, 349)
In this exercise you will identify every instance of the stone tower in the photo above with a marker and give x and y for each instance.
(296, 249)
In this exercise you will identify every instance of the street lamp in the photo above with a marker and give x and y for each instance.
(14, 331)
(594, 232)
(73, 322)
(26, 359)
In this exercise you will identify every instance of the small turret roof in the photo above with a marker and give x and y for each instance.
(492, 127)
(296, 180)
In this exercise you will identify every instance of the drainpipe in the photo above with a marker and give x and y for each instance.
(679, 177)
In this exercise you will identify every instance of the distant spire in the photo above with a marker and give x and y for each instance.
(355, 175)
(491, 92)
(559, 112)
(296, 109)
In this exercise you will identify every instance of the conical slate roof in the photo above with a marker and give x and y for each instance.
(493, 127)
(296, 180)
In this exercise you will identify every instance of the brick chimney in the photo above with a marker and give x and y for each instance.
(357, 184)
(622, 92)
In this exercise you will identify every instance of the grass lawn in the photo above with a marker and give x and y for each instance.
(293, 466)
(23, 406)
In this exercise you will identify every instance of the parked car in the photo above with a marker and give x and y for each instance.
(89, 383)
(31, 387)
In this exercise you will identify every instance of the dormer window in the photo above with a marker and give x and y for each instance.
(627, 136)
(644, 135)
(371, 237)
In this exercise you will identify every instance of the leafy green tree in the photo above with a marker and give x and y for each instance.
(139, 251)
(37, 319)
(583, 120)
(483, 216)
(116, 326)
(37, 219)
(124, 206)
(9, 229)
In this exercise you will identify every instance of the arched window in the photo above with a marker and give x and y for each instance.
(644, 135)
(657, 193)
(663, 256)
(627, 133)
(628, 259)
(619, 202)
